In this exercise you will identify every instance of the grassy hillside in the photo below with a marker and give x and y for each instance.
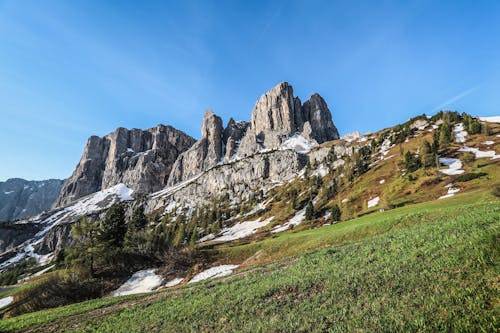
(425, 267)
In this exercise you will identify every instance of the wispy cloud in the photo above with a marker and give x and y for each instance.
(456, 98)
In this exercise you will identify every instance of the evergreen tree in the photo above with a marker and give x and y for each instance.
(87, 248)
(426, 154)
(412, 162)
(445, 136)
(138, 221)
(194, 236)
(113, 227)
(309, 211)
(335, 213)
(179, 236)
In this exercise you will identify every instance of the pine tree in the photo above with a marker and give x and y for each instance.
(87, 248)
(138, 221)
(179, 236)
(335, 213)
(426, 154)
(113, 227)
(444, 135)
(309, 211)
(194, 236)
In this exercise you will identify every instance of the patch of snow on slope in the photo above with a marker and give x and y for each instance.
(480, 154)
(386, 146)
(494, 119)
(214, 272)
(173, 282)
(296, 220)
(489, 143)
(454, 166)
(242, 230)
(460, 133)
(381, 181)
(8, 192)
(297, 143)
(140, 282)
(94, 202)
(373, 202)
(451, 192)
(6, 301)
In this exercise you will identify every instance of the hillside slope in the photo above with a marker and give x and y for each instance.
(423, 267)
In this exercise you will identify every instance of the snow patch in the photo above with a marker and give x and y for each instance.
(451, 191)
(454, 166)
(8, 192)
(373, 202)
(480, 154)
(214, 272)
(173, 282)
(460, 133)
(297, 143)
(140, 282)
(6, 301)
(296, 220)
(381, 181)
(242, 230)
(488, 143)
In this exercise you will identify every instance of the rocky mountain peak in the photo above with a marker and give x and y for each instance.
(141, 159)
(278, 114)
(316, 112)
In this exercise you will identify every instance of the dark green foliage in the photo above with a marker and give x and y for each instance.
(427, 155)
(445, 136)
(470, 176)
(335, 213)
(412, 162)
(474, 127)
(309, 215)
(113, 227)
(138, 221)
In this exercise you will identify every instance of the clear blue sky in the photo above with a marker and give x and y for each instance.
(69, 69)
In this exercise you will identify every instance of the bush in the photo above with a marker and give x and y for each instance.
(470, 176)
(55, 291)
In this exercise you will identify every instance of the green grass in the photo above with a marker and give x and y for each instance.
(427, 267)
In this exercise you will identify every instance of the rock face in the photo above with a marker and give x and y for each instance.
(233, 133)
(278, 114)
(21, 198)
(141, 159)
(204, 154)
(237, 178)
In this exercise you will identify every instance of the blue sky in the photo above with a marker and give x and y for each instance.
(70, 69)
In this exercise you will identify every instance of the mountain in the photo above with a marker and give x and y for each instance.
(141, 159)
(21, 198)
(248, 193)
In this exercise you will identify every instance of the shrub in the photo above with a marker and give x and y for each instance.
(470, 176)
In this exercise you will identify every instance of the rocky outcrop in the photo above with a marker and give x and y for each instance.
(233, 133)
(237, 178)
(21, 198)
(141, 159)
(277, 115)
(204, 154)
(316, 113)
